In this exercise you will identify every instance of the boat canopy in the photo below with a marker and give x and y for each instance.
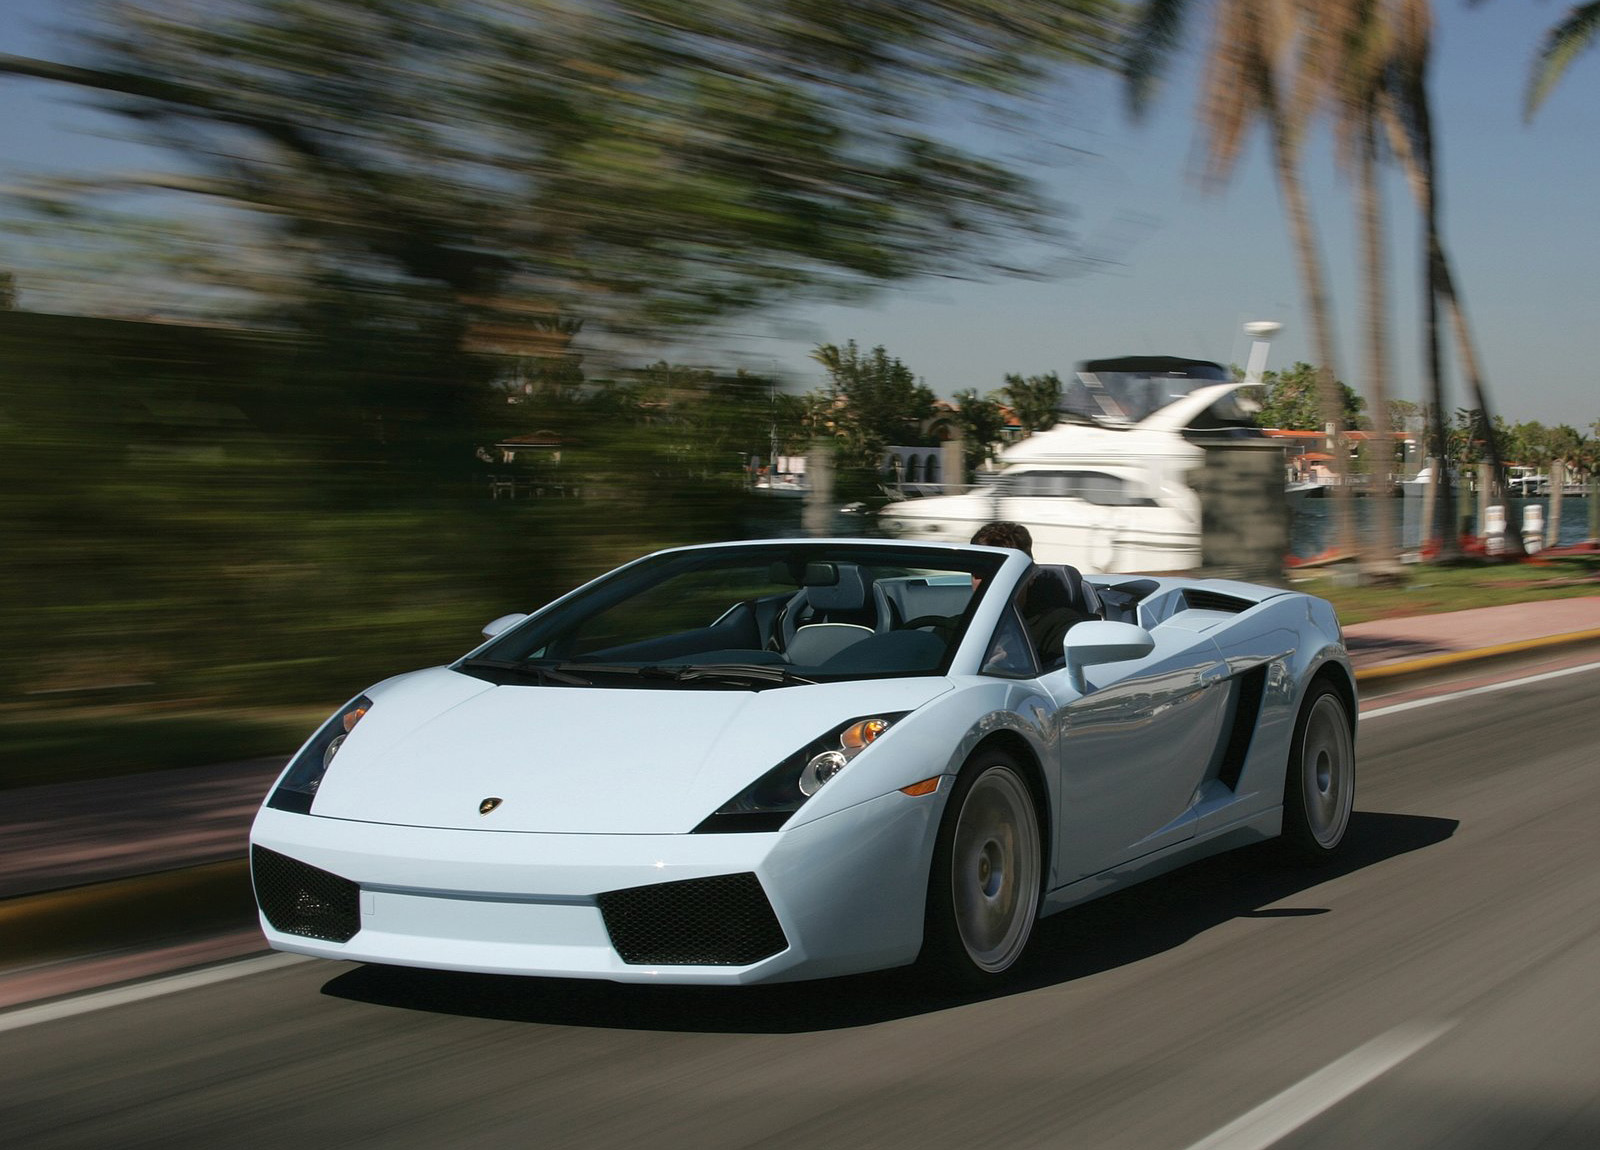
(1124, 391)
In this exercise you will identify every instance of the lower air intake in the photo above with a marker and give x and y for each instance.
(721, 921)
(300, 899)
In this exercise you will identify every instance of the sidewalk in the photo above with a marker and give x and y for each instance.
(1384, 648)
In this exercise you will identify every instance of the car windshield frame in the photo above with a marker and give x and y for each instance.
(575, 641)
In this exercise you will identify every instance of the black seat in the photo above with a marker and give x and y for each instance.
(1057, 599)
(832, 609)
(1057, 585)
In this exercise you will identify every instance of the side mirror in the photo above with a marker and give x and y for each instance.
(504, 623)
(1099, 641)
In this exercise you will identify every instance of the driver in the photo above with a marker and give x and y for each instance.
(1047, 610)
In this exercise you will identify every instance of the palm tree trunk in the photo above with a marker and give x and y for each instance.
(1413, 142)
(1308, 258)
(1381, 457)
(1480, 395)
(1441, 288)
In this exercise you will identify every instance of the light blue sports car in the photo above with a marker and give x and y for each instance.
(788, 759)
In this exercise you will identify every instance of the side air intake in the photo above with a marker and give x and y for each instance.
(297, 898)
(724, 920)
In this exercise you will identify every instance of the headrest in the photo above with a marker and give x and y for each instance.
(847, 591)
(1060, 586)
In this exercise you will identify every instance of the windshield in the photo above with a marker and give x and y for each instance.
(751, 616)
(1124, 391)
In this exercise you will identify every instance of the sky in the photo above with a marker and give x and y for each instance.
(1187, 268)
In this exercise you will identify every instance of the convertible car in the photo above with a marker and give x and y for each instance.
(790, 759)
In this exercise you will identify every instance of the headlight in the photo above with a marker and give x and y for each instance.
(767, 803)
(300, 782)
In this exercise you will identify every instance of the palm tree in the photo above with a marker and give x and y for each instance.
(1246, 79)
(1561, 45)
(1360, 40)
(1409, 117)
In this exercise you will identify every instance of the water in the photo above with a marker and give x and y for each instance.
(1311, 521)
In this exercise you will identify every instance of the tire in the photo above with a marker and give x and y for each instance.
(1319, 786)
(985, 881)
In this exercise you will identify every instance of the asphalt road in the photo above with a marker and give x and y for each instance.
(1439, 987)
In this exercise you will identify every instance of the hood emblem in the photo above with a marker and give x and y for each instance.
(489, 804)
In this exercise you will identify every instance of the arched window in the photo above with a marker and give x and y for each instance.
(913, 469)
(931, 470)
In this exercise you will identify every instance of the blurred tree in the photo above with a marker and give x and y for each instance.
(8, 291)
(1403, 413)
(1034, 400)
(869, 402)
(1267, 61)
(983, 425)
(641, 164)
(1290, 400)
(1563, 43)
(1473, 440)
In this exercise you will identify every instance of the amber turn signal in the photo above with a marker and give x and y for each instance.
(925, 787)
(860, 734)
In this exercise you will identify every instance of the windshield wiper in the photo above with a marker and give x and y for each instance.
(532, 670)
(743, 674)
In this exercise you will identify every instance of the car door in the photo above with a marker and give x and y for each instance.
(1134, 748)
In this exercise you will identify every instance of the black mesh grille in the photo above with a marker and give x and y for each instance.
(300, 899)
(1200, 600)
(721, 921)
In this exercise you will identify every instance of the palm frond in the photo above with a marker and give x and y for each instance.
(1153, 37)
(1561, 45)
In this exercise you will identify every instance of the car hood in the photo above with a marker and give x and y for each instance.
(579, 760)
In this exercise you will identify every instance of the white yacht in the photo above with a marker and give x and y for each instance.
(1108, 488)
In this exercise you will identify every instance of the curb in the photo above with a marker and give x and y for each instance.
(119, 913)
(1389, 673)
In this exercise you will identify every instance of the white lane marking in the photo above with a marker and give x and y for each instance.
(1332, 1084)
(1396, 708)
(139, 991)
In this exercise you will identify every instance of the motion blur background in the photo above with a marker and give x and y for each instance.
(374, 324)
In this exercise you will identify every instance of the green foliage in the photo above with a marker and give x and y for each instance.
(643, 163)
(871, 400)
(1571, 36)
(196, 515)
(1532, 444)
(1289, 400)
(982, 425)
(1034, 400)
(1403, 413)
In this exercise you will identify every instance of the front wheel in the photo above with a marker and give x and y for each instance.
(983, 891)
(1319, 787)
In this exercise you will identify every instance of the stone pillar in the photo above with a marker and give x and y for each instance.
(1484, 494)
(1594, 508)
(953, 466)
(1244, 514)
(1430, 493)
(816, 515)
(1558, 485)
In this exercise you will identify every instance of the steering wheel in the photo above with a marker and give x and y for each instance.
(943, 626)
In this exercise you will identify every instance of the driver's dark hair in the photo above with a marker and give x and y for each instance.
(1004, 533)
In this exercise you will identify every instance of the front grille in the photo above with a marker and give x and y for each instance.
(725, 920)
(297, 898)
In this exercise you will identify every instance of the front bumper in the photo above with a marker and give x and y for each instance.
(846, 892)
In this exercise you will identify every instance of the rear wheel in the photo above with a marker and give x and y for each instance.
(983, 892)
(1319, 786)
